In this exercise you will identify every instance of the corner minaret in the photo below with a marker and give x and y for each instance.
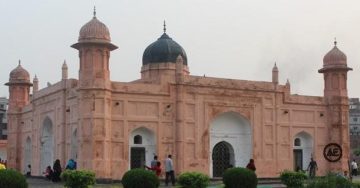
(94, 45)
(19, 90)
(336, 98)
(275, 74)
(94, 95)
(64, 71)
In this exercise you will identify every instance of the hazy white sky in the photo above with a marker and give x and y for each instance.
(234, 39)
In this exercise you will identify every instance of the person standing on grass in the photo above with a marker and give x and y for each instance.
(169, 170)
(354, 168)
(312, 168)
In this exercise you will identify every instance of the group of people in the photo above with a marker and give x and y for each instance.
(155, 166)
(54, 173)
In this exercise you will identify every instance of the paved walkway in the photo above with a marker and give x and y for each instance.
(42, 183)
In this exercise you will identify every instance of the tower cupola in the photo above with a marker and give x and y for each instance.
(335, 73)
(94, 32)
(19, 88)
(19, 76)
(335, 58)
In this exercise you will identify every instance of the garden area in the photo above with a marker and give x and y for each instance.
(141, 178)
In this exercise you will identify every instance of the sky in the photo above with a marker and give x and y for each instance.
(236, 39)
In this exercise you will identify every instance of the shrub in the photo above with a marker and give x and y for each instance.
(12, 179)
(78, 178)
(293, 179)
(356, 152)
(356, 185)
(330, 181)
(140, 178)
(239, 178)
(193, 180)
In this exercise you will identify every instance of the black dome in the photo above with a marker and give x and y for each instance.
(163, 50)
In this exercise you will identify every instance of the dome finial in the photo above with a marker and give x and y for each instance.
(335, 42)
(19, 62)
(164, 27)
(94, 13)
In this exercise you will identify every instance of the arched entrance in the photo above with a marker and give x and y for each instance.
(222, 157)
(142, 146)
(27, 153)
(74, 145)
(303, 150)
(46, 144)
(230, 140)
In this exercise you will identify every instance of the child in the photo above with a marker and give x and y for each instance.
(48, 173)
(156, 169)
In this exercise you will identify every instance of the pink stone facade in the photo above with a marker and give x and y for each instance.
(94, 120)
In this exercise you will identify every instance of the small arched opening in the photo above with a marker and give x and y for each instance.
(46, 144)
(302, 150)
(142, 146)
(230, 141)
(27, 154)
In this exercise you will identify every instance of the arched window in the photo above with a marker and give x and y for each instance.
(137, 139)
(297, 142)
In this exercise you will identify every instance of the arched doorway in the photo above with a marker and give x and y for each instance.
(222, 157)
(230, 133)
(47, 144)
(74, 145)
(303, 150)
(27, 153)
(142, 146)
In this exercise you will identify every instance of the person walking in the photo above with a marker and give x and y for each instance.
(169, 170)
(312, 168)
(354, 168)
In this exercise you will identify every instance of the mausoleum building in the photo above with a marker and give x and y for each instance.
(207, 124)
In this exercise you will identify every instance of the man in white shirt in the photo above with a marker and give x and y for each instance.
(169, 169)
(354, 168)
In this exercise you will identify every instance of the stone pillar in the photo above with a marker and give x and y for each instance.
(179, 118)
(36, 84)
(19, 90)
(64, 72)
(275, 75)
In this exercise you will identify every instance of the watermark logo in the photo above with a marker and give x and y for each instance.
(332, 152)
